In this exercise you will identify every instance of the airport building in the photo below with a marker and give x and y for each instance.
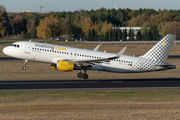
(136, 29)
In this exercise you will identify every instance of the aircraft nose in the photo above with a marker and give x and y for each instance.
(5, 50)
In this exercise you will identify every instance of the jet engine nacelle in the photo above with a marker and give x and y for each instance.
(63, 66)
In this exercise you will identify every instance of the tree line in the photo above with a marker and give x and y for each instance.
(93, 24)
(123, 35)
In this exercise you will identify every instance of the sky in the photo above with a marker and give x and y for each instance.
(73, 5)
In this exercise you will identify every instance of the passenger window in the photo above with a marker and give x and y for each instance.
(57, 51)
(42, 49)
(77, 54)
(18, 46)
(67, 53)
(64, 52)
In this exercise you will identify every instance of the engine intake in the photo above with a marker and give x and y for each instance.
(63, 66)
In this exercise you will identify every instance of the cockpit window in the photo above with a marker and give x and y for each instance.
(15, 45)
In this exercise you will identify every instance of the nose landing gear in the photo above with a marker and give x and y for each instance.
(25, 63)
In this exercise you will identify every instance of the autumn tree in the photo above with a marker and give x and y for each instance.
(106, 27)
(87, 24)
(18, 24)
(66, 26)
(49, 27)
(171, 28)
(31, 27)
(3, 21)
(138, 21)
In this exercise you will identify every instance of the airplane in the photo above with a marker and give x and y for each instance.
(65, 58)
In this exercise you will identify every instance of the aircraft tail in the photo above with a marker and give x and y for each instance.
(161, 50)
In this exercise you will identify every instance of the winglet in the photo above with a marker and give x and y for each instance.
(95, 49)
(119, 54)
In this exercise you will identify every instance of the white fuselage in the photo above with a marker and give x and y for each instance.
(48, 53)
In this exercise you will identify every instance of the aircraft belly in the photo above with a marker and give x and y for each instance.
(116, 68)
(113, 69)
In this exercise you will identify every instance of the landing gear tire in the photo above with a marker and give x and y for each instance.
(24, 68)
(79, 75)
(85, 76)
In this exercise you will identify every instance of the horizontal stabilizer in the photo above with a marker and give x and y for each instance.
(166, 66)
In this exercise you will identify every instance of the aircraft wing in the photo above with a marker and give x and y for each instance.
(94, 61)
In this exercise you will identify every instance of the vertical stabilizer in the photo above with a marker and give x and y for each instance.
(161, 50)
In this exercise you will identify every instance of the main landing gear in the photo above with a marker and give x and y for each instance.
(84, 76)
(25, 63)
